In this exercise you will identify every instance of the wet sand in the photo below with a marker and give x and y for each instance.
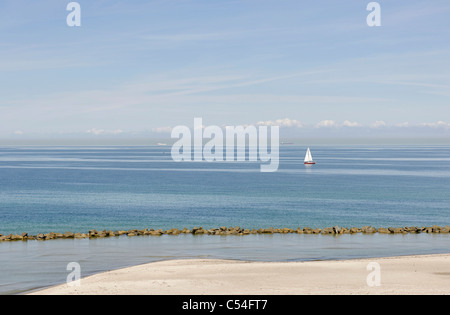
(426, 274)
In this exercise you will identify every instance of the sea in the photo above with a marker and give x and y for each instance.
(78, 188)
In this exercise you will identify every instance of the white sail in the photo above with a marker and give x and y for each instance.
(308, 157)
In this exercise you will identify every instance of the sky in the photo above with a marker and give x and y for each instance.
(138, 68)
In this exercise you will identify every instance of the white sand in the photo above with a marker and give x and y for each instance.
(428, 274)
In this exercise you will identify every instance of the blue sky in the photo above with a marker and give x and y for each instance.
(143, 67)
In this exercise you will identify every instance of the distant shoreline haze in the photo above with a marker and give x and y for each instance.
(106, 141)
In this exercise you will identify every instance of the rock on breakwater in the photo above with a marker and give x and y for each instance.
(336, 230)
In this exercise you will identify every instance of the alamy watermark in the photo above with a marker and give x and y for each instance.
(374, 17)
(239, 143)
(74, 17)
(374, 277)
(74, 277)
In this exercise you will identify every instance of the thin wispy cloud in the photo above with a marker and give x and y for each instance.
(286, 122)
(289, 123)
(326, 124)
(193, 37)
(98, 132)
(351, 124)
(439, 124)
(166, 129)
(378, 124)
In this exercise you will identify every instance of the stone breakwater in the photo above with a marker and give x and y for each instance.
(225, 231)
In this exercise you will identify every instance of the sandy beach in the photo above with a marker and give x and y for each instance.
(427, 274)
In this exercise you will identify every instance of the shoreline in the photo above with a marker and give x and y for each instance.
(416, 274)
(223, 231)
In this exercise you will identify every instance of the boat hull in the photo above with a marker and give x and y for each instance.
(310, 163)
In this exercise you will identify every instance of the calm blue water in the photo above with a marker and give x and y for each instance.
(44, 189)
(59, 189)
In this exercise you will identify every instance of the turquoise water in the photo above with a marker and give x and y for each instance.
(58, 189)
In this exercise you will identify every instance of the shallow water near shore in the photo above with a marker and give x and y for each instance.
(33, 265)
(59, 189)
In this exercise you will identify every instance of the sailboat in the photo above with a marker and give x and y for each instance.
(308, 158)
